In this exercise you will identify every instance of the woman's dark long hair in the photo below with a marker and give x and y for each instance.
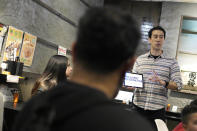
(53, 74)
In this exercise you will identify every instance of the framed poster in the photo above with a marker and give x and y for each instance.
(28, 48)
(13, 44)
(3, 30)
(189, 80)
(62, 50)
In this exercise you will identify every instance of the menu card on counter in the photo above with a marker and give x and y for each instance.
(12, 79)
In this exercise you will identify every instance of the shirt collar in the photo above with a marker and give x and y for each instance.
(150, 56)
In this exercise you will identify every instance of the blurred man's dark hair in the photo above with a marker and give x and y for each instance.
(157, 28)
(106, 38)
(188, 110)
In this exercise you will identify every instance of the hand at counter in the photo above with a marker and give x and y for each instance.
(130, 88)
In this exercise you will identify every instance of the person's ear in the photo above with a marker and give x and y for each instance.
(73, 51)
(129, 64)
(132, 61)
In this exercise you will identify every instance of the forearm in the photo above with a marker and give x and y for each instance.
(129, 88)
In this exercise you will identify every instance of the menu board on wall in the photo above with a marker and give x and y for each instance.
(145, 27)
(28, 48)
(1, 42)
(13, 44)
(3, 30)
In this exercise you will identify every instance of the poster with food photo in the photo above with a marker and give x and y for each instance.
(62, 50)
(13, 44)
(28, 48)
(3, 30)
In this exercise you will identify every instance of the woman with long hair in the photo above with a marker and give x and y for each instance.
(54, 73)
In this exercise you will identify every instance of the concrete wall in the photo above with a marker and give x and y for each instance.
(151, 11)
(170, 20)
(95, 2)
(191, 1)
(31, 17)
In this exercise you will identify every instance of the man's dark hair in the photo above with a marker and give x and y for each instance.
(106, 38)
(188, 110)
(156, 28)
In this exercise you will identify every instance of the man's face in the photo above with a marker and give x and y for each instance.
(157, 40)
(192, 123)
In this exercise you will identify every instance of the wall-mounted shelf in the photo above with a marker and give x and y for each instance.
(185, 52)
(188, 92)
(188, 32)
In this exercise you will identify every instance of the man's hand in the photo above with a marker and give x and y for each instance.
(130, 88)
(171, 85)
(155, 78)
